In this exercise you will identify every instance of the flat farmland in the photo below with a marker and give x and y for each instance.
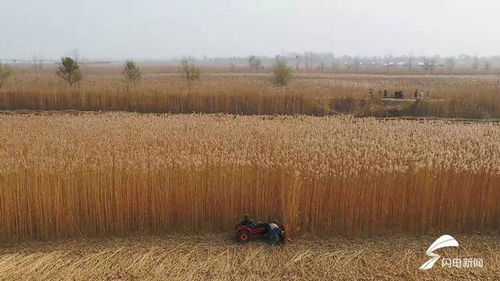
(163, 90)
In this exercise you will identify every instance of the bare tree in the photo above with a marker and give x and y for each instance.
(308, 60)
(475, 63)
(75, 54)
(450, 63)
(411, 59)
(487, 66)
(255, 63)
(430, 64)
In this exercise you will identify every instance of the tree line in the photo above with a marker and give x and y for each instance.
(70, 72)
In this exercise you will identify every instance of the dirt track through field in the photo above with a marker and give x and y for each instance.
(218, 257)
(79, 112)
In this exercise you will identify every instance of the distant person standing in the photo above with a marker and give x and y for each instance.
(385, 93)
(416, 93)
(399, 94)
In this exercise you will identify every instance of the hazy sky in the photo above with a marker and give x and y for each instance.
(163, 29)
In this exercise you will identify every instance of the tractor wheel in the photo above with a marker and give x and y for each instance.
(243, 236)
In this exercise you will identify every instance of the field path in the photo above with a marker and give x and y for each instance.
(80, 112)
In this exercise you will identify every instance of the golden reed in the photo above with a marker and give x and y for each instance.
(67, 175)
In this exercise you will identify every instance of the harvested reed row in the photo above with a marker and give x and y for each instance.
(63, 176)
(215, 257)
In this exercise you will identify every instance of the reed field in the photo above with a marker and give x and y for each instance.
(320, 94)
(91, 174)
(249, 140)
